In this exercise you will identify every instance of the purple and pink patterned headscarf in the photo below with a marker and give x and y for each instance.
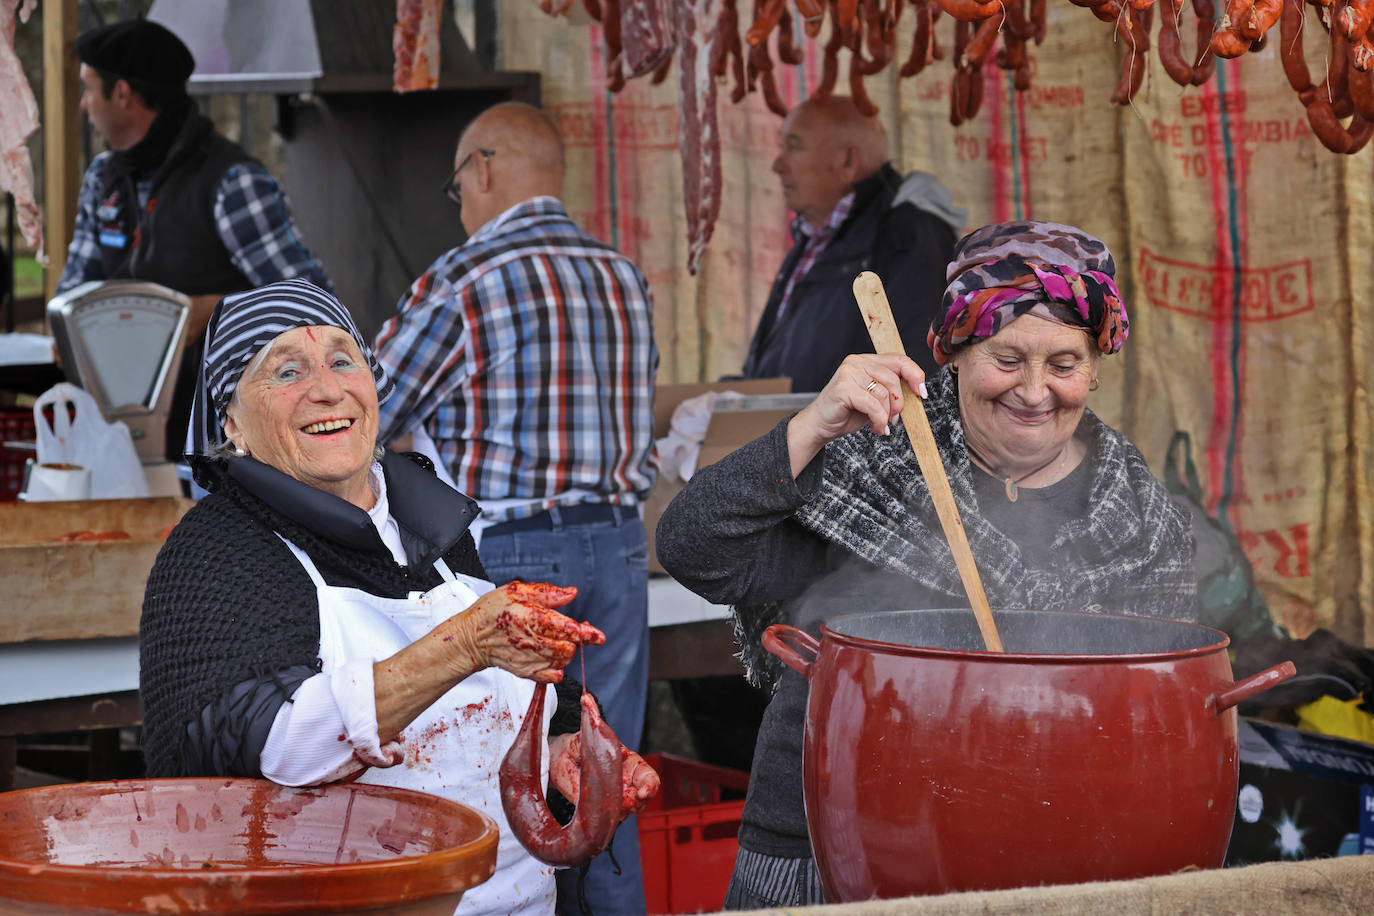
(1002, 271)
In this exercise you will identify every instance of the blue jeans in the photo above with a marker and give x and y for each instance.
(608, 562)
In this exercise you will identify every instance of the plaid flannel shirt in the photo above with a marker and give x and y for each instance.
(251, 218)
(528, 354)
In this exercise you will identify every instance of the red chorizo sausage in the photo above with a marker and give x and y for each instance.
(1228, 43)
(959, 87)
(920, 41)
(1361, 87)
(830, 66)
(974, 100)
(1037, 16)
(761, 64)
(1332, 135)
(1206, 64)
(1108, 11)
(984, 38)
(970, 10)
(1259, 19)
(847, 15)
(788, 52)
(1362, 53)
(1336, 74)
(1290, 48)
(1134, 34)
(857, 91)
(599, 790)
(1013, 54)
(1171, 46)
(766, 17)
(1353, 19)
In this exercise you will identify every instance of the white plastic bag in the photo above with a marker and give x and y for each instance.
(678, 451)
(85, 439)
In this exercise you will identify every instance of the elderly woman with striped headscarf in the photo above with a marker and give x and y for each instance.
(323, 614)
(829, 513)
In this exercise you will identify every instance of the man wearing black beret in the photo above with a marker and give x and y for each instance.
(172, 200)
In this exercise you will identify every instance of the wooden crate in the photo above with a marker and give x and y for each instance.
(82, 589)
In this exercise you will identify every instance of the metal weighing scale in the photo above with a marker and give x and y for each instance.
(122, 341)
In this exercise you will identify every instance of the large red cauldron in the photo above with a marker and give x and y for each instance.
(1097, 747)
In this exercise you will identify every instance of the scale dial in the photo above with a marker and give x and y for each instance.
(127, 339)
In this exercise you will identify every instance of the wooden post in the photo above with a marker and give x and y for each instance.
(61, 134)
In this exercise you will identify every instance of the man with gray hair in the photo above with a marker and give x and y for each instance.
(854, 212)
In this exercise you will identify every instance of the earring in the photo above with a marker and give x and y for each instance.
(953, 370)
(239, 452)
(1093, 386)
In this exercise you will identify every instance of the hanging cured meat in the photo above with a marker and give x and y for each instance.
(698, 132)
(722, 40)
(415, 42)
(18, 119)
(647, 36)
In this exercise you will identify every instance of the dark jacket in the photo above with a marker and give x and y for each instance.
(908, 245)
(174, 240)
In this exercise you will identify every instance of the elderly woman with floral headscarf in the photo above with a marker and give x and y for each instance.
(829, 513)
(323, 614)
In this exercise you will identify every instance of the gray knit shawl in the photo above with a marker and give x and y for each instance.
(1132, 554)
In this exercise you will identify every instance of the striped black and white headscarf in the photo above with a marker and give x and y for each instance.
(240, 326)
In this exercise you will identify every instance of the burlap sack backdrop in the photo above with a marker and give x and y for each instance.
(1242, 247)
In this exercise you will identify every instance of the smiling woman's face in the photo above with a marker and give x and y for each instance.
(1022, 391)
(309, 409)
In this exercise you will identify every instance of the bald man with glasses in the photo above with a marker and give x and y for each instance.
(524, 365)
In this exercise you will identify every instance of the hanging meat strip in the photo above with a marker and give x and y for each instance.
(698, 132)
(646, 35)
(415, 42)
(18, 119)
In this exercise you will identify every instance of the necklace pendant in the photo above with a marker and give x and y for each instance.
(1012, 492)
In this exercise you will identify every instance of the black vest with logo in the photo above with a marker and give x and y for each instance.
(173, 240)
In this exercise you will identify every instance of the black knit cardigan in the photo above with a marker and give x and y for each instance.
(230, 624)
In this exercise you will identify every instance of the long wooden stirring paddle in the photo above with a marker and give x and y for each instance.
(868, 292)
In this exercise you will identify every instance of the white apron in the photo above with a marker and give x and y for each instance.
(455, 747)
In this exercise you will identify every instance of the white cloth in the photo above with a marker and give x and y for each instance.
(453, 749)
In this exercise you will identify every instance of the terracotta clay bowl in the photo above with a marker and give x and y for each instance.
(237, 846)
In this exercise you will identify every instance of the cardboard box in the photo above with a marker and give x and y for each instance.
(723, 435)
(1302, 795)
(86, 589)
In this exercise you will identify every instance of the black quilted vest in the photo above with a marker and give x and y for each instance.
(173, 241)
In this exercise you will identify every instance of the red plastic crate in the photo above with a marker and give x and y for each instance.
(15, 426)
(687, 835)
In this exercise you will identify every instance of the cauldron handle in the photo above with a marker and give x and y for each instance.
(1255, 683)
(776, 638)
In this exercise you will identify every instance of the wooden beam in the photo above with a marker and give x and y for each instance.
(61, 134)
